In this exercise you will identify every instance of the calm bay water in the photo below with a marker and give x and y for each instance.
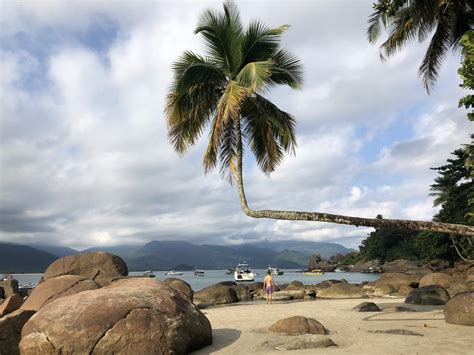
(214, 276)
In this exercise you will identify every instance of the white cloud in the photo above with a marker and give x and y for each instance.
(85, 158)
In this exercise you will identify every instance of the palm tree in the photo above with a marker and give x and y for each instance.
(409, 20)
(226, 87)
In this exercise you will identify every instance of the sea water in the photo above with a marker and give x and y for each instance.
(212, 277)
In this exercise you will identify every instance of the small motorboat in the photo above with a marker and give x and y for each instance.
(243, 273)
(172, 272)
(314, 272)
(230, 271)
(199, 273)
(149, 273)
(274, 270)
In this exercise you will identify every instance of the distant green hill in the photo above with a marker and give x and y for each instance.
(58, 251)
(20, 258)
(166, 255)
(326, 250)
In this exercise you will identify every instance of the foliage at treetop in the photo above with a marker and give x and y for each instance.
(410, 20)
(226, 88)
(466, 72)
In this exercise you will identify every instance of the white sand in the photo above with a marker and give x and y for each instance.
(242, 328)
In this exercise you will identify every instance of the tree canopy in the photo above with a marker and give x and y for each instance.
(409, 20)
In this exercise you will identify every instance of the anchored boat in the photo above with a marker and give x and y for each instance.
(314, 272)
(274, 270)
(172, 272)
(243, 272)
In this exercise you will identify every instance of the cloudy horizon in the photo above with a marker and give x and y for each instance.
(85, 159)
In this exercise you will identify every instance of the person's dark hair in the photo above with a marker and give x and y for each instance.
(269, 272)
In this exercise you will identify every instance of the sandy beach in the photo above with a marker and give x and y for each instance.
(243, 328)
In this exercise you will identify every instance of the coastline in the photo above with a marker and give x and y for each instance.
(243, 328)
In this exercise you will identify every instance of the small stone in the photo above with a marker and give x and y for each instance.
(302, 342)
(298, 325)
(367, 307)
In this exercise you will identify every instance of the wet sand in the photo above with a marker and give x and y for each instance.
(243, 328)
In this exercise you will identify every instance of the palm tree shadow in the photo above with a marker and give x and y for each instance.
(221, 338)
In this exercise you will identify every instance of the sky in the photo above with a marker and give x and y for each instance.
(85, 159)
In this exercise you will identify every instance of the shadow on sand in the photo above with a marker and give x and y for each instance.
(389, 314)
(221, 338)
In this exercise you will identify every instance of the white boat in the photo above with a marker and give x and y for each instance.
(243, 273)
(199, 273)
(149, 273)
(172, 272)
(274, 270)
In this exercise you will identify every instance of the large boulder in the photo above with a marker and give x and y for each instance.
(435, 278)
(428, 295)
(181, 286)
(54, 288)
(404, 290)
(366, 265)
(384, 290)
(243, 293)
(397, 279)
(367, 307)
(9, 286)
(255, 286)
(216, 294)
(10, 304)
(460, 309)
(400, 265)
(10, 331)
(341, 290)
(326, 283)
(458, 287)
(100, 267)
(320, 264)
(131, 316)
(298, 325)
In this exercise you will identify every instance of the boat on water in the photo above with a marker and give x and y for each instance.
(149, 273)
(243, 272)
(172, 272)
(274, 270)
(199, 273)
(314, 272)
(230, 271)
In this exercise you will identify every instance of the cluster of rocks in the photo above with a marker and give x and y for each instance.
(85, 303)
(454, 287)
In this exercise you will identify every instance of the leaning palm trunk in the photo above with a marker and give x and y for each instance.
(339, 219)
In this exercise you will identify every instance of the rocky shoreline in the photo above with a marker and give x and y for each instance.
(87, 303)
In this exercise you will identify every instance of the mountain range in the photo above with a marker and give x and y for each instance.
(167, 255)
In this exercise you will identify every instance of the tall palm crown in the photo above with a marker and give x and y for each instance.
(409, 20)
(224, 89)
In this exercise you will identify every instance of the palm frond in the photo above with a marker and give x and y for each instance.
(287, 70)
(187, 114)
(227, 109)
(193, 97)
(375, 20)
(404, 29)
(255, 75)
(260, 42)
(222, 33)
(269, 132)
(435, 53)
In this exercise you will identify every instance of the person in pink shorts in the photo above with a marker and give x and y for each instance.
(269, 286)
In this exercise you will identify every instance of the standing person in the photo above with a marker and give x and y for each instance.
(269, 286)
